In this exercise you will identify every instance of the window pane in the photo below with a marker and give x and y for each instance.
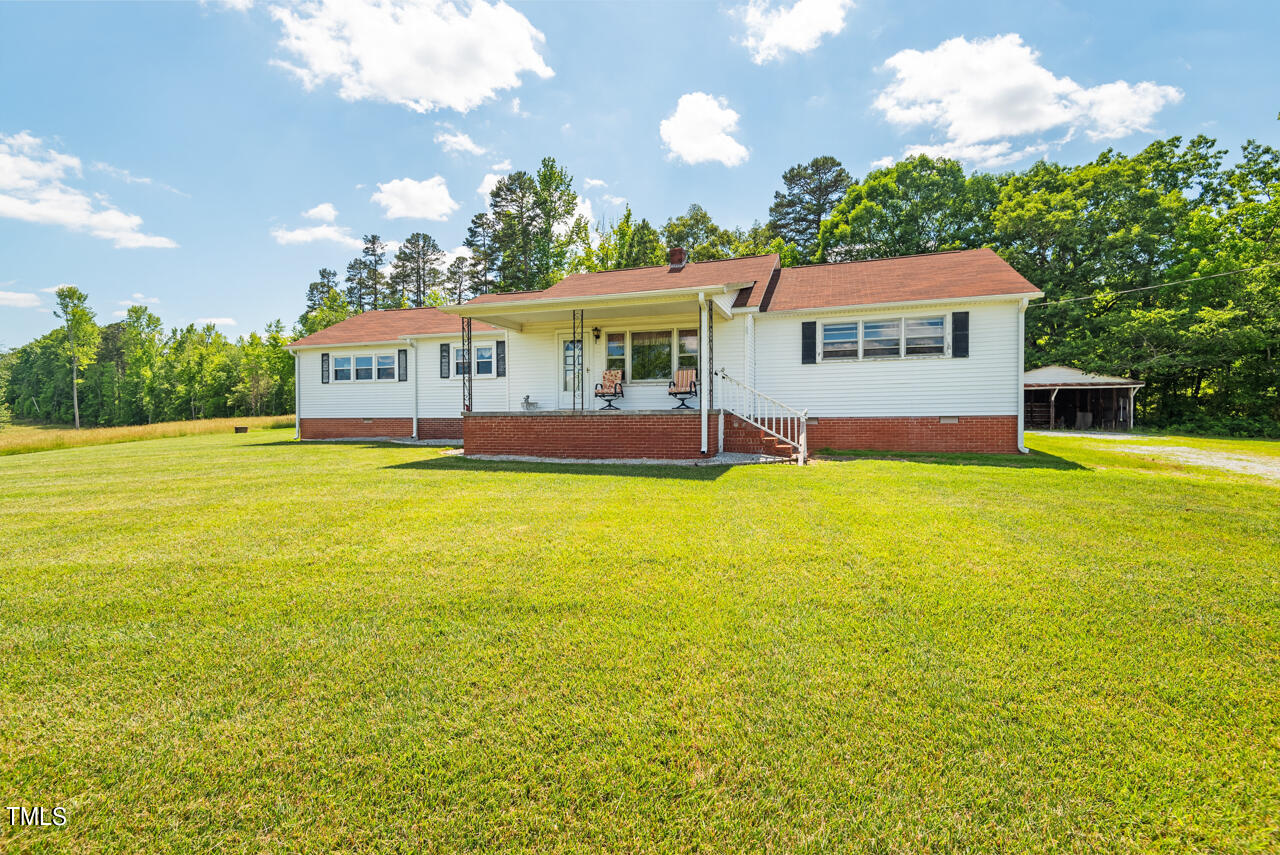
(364, 367)
(460, 365)
(342, 368)
(925, 335)
(840, 341)
(651, 355)
(687, 343)
(615, 358)
(881, 338)
(484, 360)
(386, 368)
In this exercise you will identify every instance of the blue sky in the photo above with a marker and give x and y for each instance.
(206, 159)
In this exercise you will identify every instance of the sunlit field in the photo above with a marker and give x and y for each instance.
(245, 643)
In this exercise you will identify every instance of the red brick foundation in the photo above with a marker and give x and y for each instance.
(354, 428)
(399, 428)
(440, 428)
(593, 434)
(982, 434)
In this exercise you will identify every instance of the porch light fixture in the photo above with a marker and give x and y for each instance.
(595, 331)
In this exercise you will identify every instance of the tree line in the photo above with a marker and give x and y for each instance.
(134, 372)
(1101, 239)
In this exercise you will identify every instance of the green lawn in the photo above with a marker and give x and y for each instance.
(247, 644)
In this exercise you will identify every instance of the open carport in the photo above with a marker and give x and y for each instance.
(1057, 396)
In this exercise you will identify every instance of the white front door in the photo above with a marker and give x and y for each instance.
(572, 372)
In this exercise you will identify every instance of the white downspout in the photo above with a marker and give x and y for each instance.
(297, 399)
(749, 351)
(1022, 344)
(702, 365)
(413, 378)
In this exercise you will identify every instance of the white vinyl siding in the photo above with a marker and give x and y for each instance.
(351, 399)
(984, 383)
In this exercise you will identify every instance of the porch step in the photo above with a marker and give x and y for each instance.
(748, 435)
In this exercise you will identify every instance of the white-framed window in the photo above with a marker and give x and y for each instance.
(881, 338)
(840, 341)
(386, 366)
(360, 367)
(925, 336)
(484, 361)
(651, 356)
(884, 338)
(341, 368)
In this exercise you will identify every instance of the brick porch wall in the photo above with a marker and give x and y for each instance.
(984, 434)
(661, 435)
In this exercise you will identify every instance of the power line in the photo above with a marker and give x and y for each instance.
(1151, 287)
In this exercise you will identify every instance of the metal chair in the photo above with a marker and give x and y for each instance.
(684, 387)
(609, 389)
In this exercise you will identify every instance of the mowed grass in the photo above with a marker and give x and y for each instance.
(22, 438)
(247, 644)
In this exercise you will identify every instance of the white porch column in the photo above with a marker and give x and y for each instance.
(703, 309)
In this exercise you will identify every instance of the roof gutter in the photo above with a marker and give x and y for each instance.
(1022, 343)
(939, 301)
(471, 310)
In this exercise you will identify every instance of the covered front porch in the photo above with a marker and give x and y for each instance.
(594, 376)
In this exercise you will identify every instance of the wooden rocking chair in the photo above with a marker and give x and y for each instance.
(684, 387)
(609, 389)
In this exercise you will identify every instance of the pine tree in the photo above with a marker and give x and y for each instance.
(415, 268)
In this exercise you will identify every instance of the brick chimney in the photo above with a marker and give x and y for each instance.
(676, 256)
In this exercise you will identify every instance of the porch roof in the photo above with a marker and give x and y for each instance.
(619, 293)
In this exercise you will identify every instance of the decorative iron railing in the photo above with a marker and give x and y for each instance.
(769, 414)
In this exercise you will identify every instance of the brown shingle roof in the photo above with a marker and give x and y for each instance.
(936, 276)
(388, 325)
(638, 280)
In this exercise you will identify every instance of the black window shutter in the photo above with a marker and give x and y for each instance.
(444, 361)
(809, 342)
(324, 368)
(960, 334)
(403, 355)
(502, 359)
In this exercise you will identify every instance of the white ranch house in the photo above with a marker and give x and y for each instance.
(922, 353)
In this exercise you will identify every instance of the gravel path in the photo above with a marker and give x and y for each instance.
(1232, 462)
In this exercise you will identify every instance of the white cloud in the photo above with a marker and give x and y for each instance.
(592, 183)
(798, 28)
(222, 322)
(139, 300)
(420, 54)
(455, 253)
(426, 200)
(502, 166)
(699, 131)
(324, 212)
(19, 300)
(614, 200)
(52, 289)
(458, 141)
(129, 178)
(33, 188)
(515, 108)
(120, 313)
(984, 94)
(238, 5)
(487, 184)
(340, 235)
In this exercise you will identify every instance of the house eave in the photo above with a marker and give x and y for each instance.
(933, 301)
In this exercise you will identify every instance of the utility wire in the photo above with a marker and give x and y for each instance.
(1150, 287)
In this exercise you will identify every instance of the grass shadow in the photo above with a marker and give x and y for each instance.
(457, 463)
(1033, 460)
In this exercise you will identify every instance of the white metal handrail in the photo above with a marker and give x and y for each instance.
(769, 414)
